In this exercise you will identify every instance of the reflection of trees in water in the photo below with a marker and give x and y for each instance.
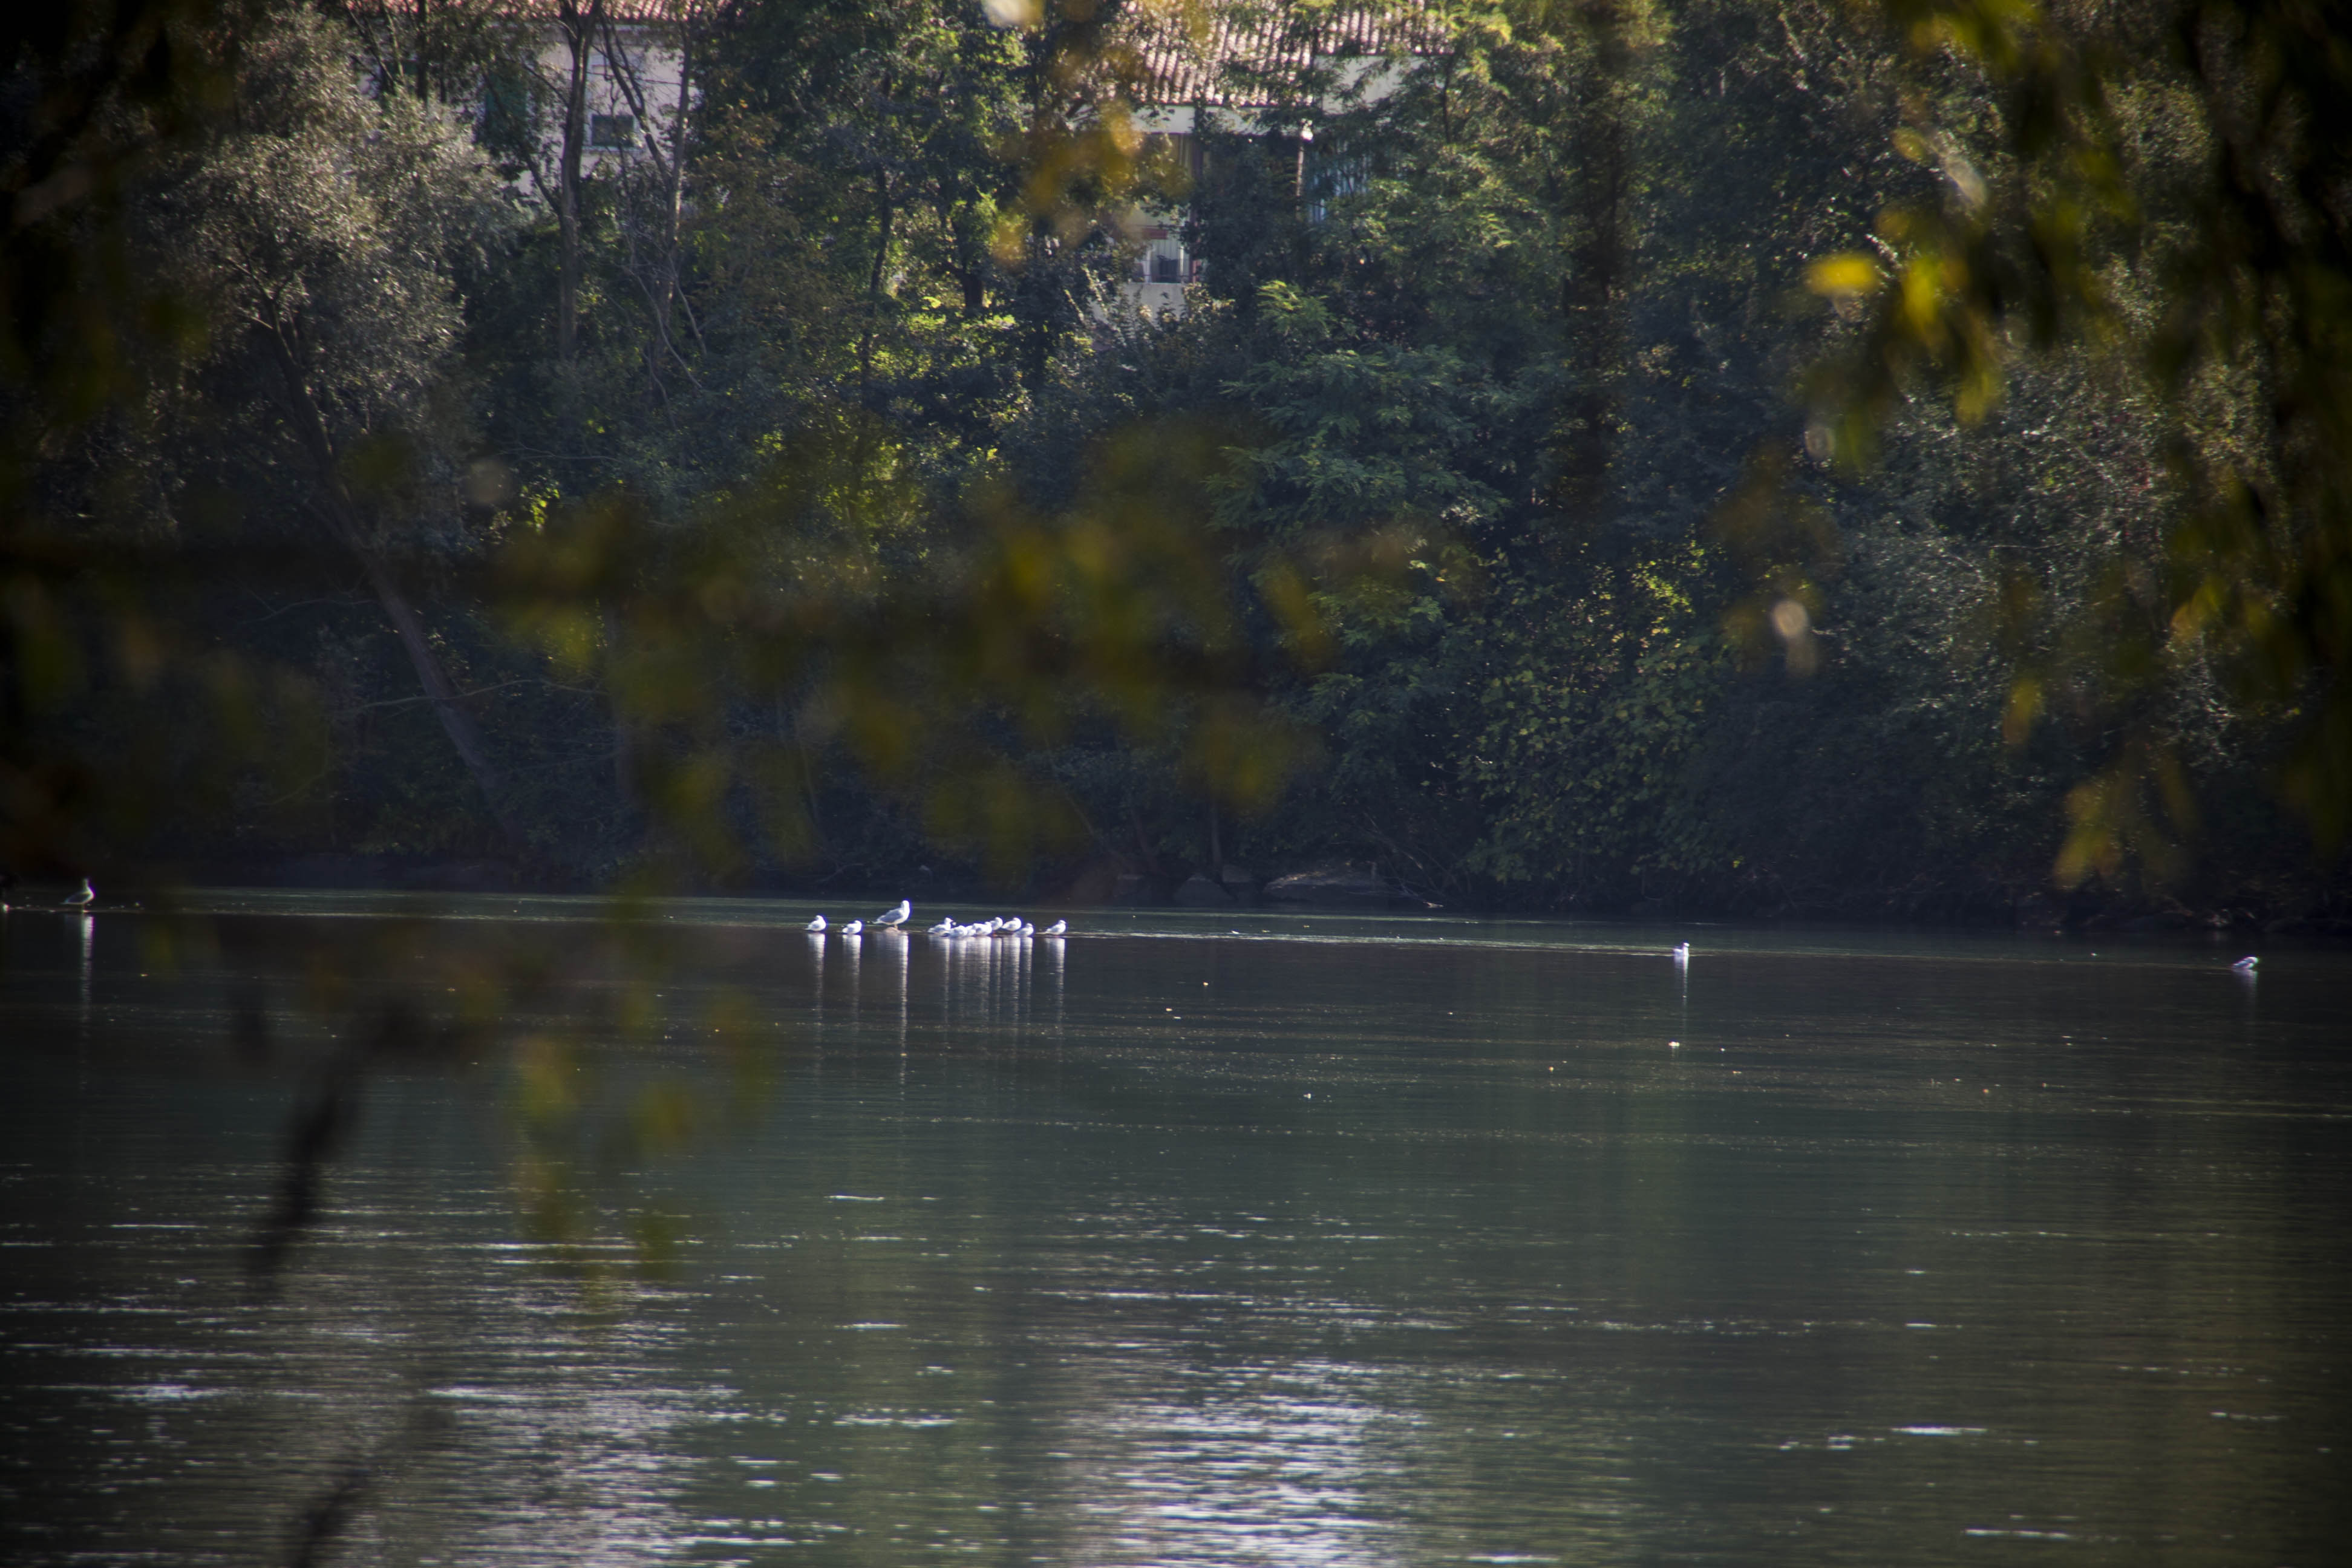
(848, 602)
(1458, 1303)
(363, 556)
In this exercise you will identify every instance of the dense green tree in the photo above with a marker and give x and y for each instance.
(320, 235)
(2157, 192)
(1783, 458)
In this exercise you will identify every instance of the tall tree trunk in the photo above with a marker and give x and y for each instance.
(624, 749)
(662, 297)
(1592, 292)
(579, 29)
(873, 285)
(1217, 851)
(666, 148)
(1034, 302)
(448, 705)
(341, 515)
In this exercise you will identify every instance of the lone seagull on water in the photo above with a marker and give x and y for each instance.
(816, 925)
(1682, 952)
(894, 917)
(86, 896)
(1059, 928)
(2243, 967)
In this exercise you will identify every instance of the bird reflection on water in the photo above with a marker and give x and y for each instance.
(88, 924)
(985, 986)
(1512, 1285)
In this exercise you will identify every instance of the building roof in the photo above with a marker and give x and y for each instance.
(1238, 56)
(621, 13)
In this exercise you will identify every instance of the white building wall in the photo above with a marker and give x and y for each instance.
(649, 55)
(1164, 267)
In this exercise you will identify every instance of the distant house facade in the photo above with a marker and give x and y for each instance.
(633, 56)
(515, 62)
(1244, 68)
(636, 77)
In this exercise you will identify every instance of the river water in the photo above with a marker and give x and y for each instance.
(1190, 1240)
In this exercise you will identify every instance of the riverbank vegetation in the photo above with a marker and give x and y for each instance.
(1680, 455)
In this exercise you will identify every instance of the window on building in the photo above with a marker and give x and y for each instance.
(613, 130)
(1329, 177)
(509, 126)
(1172, 161)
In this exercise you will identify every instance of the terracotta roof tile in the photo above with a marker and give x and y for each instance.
(632, 13)
(1242, 57)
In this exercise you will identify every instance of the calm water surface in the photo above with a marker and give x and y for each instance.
(1189, 1241)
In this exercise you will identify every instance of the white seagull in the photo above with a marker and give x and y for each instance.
(817, 924)
(2243, 967)
(895, 917)
(854, 928)
(1059, 928)
(86, 896)
(1682, 952)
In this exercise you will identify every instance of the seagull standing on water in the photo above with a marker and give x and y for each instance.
(86, 896)
(854, 928)
(816, 925)
(893, 919)
(2243, 967)
(1059, 928)
(1682, 952)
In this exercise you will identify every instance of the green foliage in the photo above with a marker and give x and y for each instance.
(798, 498)
(2161, 187)
(1364, 433)
(1588, 722)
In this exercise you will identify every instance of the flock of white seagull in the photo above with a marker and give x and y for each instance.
(895, 919)
(1001, 926)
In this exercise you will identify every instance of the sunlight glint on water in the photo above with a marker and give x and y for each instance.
(1195, 1240)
